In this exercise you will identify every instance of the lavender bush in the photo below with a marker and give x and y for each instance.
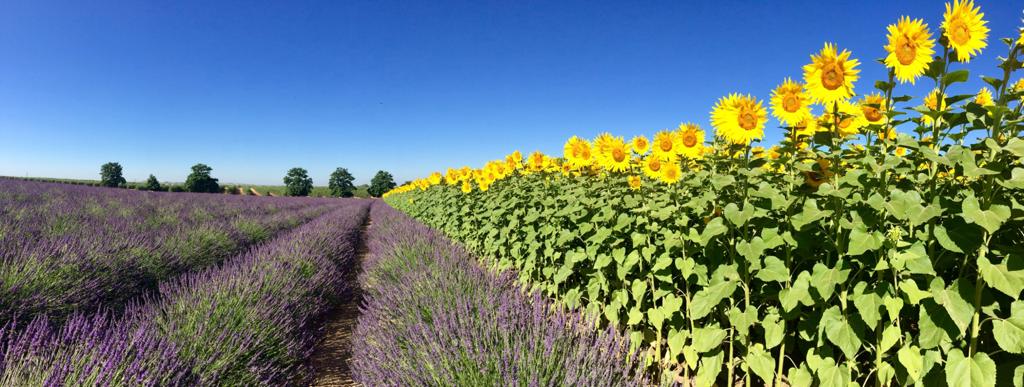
(249, 322)
(67, 248)
(432, 316)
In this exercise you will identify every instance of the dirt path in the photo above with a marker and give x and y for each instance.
(331, 357)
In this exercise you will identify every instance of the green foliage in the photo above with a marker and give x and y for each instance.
(111, 175)
(152, 184)
(297, 182)
(341, 183)
(200, 181)
(382, 182)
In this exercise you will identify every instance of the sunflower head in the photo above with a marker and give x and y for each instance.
(932, 102)
(830, 75)
(435, 178)
(536, 162)
(653, 165)
(670, 173)
(964, 29)
(691, 141)
(850, 120)
(664, 144)
(873, 107)
(819, 174)
(900, 151)
(807, 126)
(739, 119)
(640, 145)
(910, 49)
(466, 187)
(578, 153)
(634, 182)
(984, 97)
(613, 153)
(789, 102)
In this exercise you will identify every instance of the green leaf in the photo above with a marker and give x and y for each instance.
(862, 240)
(1016, 180)
(910, 357)
(914, 259)
(825, 279)
(708, 298)
(832, 375)
(989, 219)
(810, 214)
(710, 367)
(676, 341)
(955, 77)
(762, 363)
(774, 270)
(868, 302)
(742, 320)
(914, 294)
(944, 240)
(1009, 333)
(800, 376)
(671, 304)
(840, 332)
(1007, 277)
(774, 330)
(890, 337)
(736, 216)
(708, 338)
(714, 228)
(655, 317)
(976, 371)
(798, 293)
(602, 261)
(635, 316)
(956, 300)
(1015, 146)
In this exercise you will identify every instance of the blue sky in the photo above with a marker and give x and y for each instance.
(253, 88)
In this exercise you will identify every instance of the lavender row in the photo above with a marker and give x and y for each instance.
(249, 322)
(67, 248)
(432, 316)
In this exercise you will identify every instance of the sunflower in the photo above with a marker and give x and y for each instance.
(900, 151)
(789, 102)
(691, 141)
(873, 107)
(931, 101)
(640, 145)
(820, 173)
(984, 97)
(435, 178)
(807, 126)
(653, 166)
(466, 187)
(830, 75)
(670, 173)
(664, 145)
(963, 27)
(613, 153)
(910, 49)
(851, 119)
(739, 118)
(577, 153)
(634, 182)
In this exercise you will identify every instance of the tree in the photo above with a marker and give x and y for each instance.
(297, 182)
(152, 184)
(110, 175)
(382, 182)
(200, 181)
(341, 183)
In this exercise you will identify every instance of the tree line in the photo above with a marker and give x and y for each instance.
(297, 181)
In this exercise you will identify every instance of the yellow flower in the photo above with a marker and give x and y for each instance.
(691, 141)
(963, 27)
(984, 97)
(901, 151)
(536, 162)
(830, 75)
(665, 145)
(514, 160)
(819, 173)
(577, 153)
(670, 173)
(739, 119)
(466, 187)
(910, 49)
(451, 176)
(613, 153)
(807, 126)
(931, 101)
(851, 119)
(435, 178)
(640, 145)
(634, 182)
(873, 107)
(789, 102)
(653, 165)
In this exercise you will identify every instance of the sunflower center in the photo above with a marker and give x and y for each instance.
(832, 76)
(872, 114)
(655, 165)
(845, 123)
(747, 119)
(906, 52)
(959, 32)
(791, 103)
(689, 139)
(618, 154)
(665, 144)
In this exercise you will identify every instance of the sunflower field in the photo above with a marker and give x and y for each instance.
(879, 243)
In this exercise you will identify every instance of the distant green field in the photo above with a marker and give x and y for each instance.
(264, 190)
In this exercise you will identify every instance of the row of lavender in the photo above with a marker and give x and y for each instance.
(433, 316)
(248, 322)
(67, 248)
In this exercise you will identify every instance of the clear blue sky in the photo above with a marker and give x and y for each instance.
(253, 88)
